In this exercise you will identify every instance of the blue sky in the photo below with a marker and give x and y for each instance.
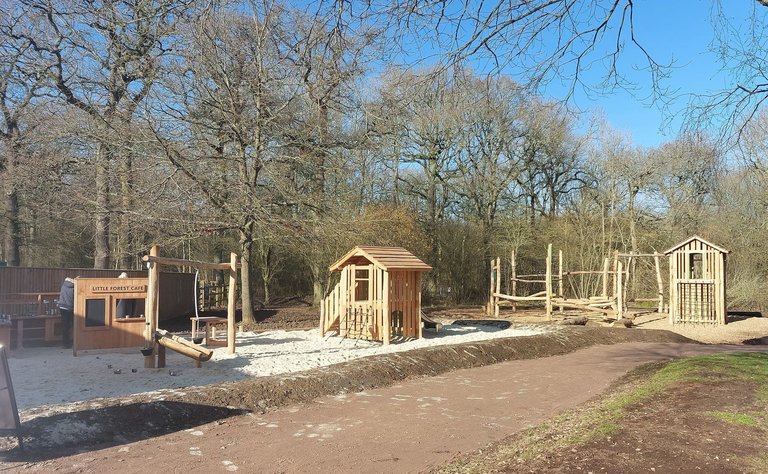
(671, 30)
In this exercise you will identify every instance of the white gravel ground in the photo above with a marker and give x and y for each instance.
(51, 376)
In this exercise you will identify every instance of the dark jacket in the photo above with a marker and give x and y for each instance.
(67, 295)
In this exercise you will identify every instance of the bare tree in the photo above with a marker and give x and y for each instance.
(689, 167)
(330, 56)
(489, 151)
(230, 98)
(552, 158)
(431, 127)
(103, 58)
(22, 79)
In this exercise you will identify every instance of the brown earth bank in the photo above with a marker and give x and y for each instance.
(111, 422)
(716, 424)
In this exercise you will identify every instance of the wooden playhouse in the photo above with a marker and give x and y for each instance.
(378, 296)
(697, 282)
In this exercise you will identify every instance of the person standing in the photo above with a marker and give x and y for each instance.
(125, 308)
(66, 309)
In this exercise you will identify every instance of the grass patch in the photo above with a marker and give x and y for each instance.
(733, 418)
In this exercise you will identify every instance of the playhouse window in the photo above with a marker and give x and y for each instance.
(361, 285)
(696, 266)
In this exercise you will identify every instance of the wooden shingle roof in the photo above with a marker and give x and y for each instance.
(386, 258)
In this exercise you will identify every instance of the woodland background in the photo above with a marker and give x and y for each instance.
(290, 133)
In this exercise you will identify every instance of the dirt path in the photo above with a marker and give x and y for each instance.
(408, 427)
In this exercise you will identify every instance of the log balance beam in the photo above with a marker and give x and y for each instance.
(182, 346)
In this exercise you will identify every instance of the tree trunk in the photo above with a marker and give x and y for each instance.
(265, 262)
(318, 289)
(631, 286)
(13, 227)
(487, 256)
(532, 210)
(246, 257)
(126, 232)
(101, 258)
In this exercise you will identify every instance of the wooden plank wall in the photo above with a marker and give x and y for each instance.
(115, 333)
(365, 319)
(404, 304)
(177, 294)
(698, 300)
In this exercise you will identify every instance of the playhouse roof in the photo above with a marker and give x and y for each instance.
(387, 258)
(691, 239)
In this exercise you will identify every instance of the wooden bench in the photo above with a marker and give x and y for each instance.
(209, 324)
(36, 328)
(33, 316)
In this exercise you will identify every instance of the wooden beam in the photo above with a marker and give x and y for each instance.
(491, 287)
(659, 283)
(520, 298)
(597, 309)
(625, 255)
(619, 292)
(150, 310)
(498, 287)
(181, 262)
(548, 283)
(386, 317)
(231, 303)
(513, 276)
(560, 276)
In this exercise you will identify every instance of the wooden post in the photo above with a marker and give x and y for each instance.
(513, 277)
(498, 288)
(417, 288)
(659, 283)
(491, 286)
(322, 316)
(150, 311)
(160, 356)
(231, 303)
(560, 276)
(615, 270)
(619, 292)
(548, 283)
(721, 279)
(387, 316)
(672, 286)
(629, 280)
(606, 265)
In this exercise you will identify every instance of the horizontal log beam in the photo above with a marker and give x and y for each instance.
(519, 298)
(180, 262)
(567, 304)
(641, 255)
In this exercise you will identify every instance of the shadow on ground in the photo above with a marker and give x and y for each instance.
(63, 434)
(742, 315)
